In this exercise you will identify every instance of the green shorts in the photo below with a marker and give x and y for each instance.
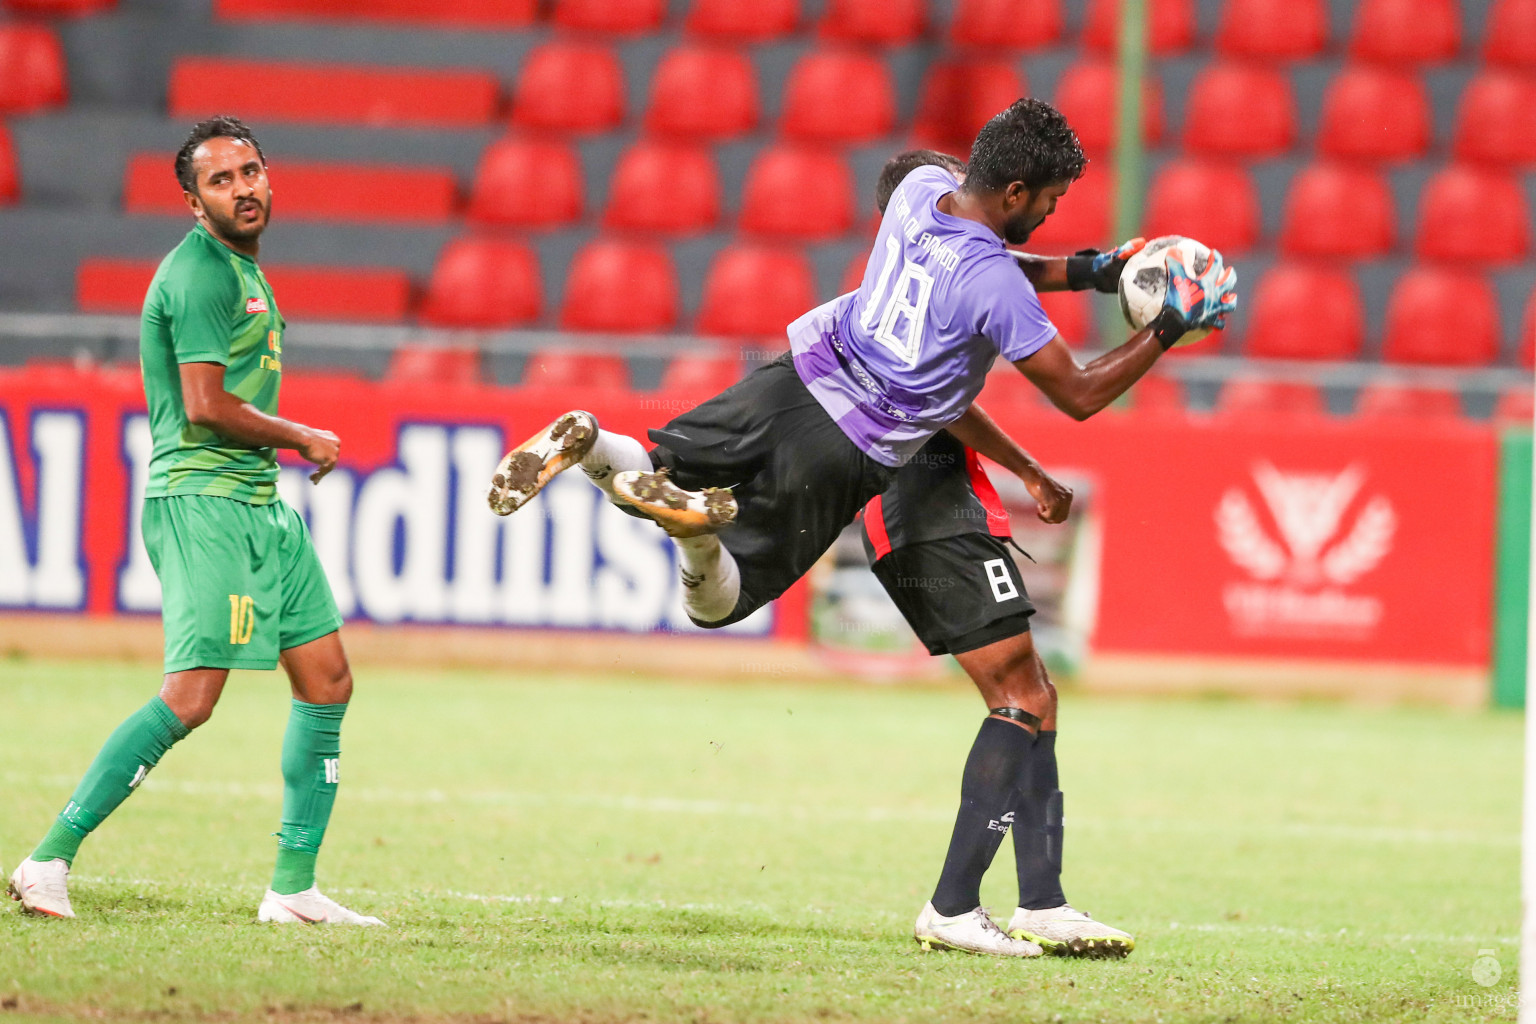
(239, 582)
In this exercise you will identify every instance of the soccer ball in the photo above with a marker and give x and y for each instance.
(1145, 280)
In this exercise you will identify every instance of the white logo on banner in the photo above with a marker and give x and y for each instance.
(1317, 554)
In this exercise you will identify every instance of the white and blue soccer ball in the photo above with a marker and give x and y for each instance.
(1145, 280)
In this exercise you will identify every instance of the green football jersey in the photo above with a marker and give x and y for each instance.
(209, 304)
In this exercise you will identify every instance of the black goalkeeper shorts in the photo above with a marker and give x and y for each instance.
(959, 593)
(797, 478)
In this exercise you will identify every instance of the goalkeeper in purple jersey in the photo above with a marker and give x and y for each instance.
(755, 484)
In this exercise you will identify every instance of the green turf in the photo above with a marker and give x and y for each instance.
(564, 849)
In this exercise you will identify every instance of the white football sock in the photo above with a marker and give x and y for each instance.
(711, 581)
(614, 453)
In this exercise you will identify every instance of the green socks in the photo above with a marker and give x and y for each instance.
(129, 753)
(311, 770)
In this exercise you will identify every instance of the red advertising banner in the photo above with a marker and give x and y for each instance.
(1301, 537)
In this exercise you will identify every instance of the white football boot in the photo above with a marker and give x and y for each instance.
(308, 907)
(1064, 931)
(42, 886)
(525, 470)
(682, 513)
(974, 932)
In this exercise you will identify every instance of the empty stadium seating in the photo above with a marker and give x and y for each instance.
(1170, 25)
(413, 365)
(1006, 24)
(1249, 395)
(363, 294)
(1082, 217)
(569, 368)
(1375, 113)
(1396, 401)
(757, 21)
(629, 18)
(1072, 314)
(1405, 31)
(1273, 29)
(32, 74)
(666, 187)
(269, 90)
(1240, 110)
(1515, 408)
(755, 291)
(1473, 214)
(1494, 122)
(703, 92)
(883, 22)
(957, 97)
(569, 86)
(1087, 94)
(1338, 210)
(500, 14)
(620, 286)
(1214, 202)
(1302, 311)
(59, 8)
(1442, 316)
(528, 183)
(312, 191)
(839, 96)
(776, 202)
(1156, 393)
(484, 283)
(10, 174)
(1511, 36)
(702, 376)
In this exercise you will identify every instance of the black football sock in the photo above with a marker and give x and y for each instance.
(987, 798)
(1037, 829)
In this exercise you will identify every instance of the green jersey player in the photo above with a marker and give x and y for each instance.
(241, 584)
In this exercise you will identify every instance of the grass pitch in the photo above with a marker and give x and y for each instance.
(564, 849)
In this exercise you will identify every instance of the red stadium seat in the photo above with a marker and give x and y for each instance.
(630, 17)
(1511, 37)
(499, 14)
(1372, 113)
(705, 376)
(758, 21)
(332, 94)
(528, 183)
(1243, 396)
(853, 274)
(1170, 25)
(1240, 110)
(576, 87)
(1494, 122)
(1072, 313)
(1394, 401)
(1473, 214)
(114, 285)
(1338, 210)
(361, 294)
(1087, 94)
(1515, 408)
(483, 283)
(755, 291)
(703, 92)
(1273, 29)
(1527, 347)
(1442, 316)
(31, 69)
(1305, 312)
(1156, 393)
(312, 191)
(564, 368)
(883, 22)
(1405, 31)
(10, 168)
(621, 287)
(959, 96)
(839, 96)
(59, 8)
(1081, 219)
(1214, 202)
(793, 192)
(454, 365)
(1007, 24)
(668, 187)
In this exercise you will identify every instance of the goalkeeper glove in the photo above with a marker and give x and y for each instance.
(1090, 268)
(1195, 302)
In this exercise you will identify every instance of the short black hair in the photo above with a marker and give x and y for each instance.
(903, 164)
(222, 127)
(1029, 142)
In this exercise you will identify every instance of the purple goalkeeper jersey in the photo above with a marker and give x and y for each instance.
(907, 353)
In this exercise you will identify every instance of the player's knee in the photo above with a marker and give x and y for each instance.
(192, 713)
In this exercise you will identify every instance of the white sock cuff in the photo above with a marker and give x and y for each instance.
(614, 453)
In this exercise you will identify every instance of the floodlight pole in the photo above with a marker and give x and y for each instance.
(1130, 175)
(1525, 985)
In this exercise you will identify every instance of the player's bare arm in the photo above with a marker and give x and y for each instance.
(977, 431)
(1082, 389)
(209, 405)
(1084, 270)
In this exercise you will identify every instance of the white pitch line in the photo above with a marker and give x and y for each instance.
(272, 792)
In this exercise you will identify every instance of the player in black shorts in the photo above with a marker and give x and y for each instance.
(937, 541)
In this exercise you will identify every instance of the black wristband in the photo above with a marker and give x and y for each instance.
(1168, 328)
(1080, 272)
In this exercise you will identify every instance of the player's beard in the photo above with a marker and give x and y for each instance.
(1016, 230)
(232, 228)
